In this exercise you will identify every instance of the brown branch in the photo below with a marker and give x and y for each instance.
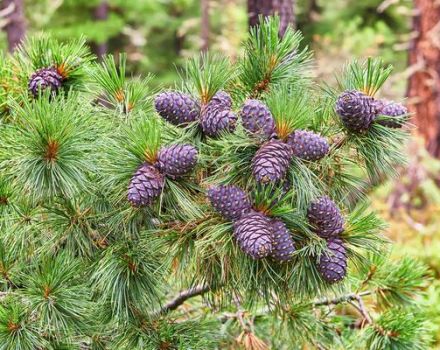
(363, 310)
(342, 299)
(182, 297)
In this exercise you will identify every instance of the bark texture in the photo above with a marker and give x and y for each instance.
(282, 8)
(16, 24)
(424, 85)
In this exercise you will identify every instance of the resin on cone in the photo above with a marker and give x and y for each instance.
(45, 78)
(271, 161)
(356, 109)
(254, 235)
(307, 145)
(282, 243)
(145, 185)
(257, 119)
(177, 108)
(177, 160)
(333, 263)
(229, 201)
(217, 116)
(392, 109)
(325, 217)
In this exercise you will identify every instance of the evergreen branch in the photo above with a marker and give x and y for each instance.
(342, 299)
(183, 296)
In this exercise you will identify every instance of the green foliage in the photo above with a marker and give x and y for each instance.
(81, 267)
(49, 147)
(208, 74)
(397, 329)
(269, 60)
(113, 90)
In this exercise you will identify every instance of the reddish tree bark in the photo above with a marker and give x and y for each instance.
(424, 85)
(282, 8)
(16, 25)
(100, 13)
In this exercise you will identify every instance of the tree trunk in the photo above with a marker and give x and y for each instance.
(204, 4)
(282, 8)
(424, 85)
(100, 13)
(15, 27)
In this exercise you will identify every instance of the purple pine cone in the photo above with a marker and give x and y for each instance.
(217, 116)
(145, 185)
(271, 161)
(356, 109)
(45, 78)
(223, 99)
(254, 235)
(230, 201)
(282, 242)
(392, 109)
(177, 160)
(177, 108)
(326, 218)
(308, 145)
(333, 264)
(257, 119)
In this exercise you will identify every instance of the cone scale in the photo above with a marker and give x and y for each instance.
(43, 79)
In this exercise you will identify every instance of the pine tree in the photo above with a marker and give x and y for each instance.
(122, 230)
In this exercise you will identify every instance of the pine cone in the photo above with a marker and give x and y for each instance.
(308, 145)
(356, 109)
(282, 242)
(392, 109)
(145, 185)
(253, 234)
(177, 108)
(217, 116)
(271, 161)
(223, 99)
(257, 119)
(45, 78)
(326, 218)
(230, 201)
(177, 160)
(333, 264)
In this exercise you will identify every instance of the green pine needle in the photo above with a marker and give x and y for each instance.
(367, 76)
(208, 73)
(49, 147)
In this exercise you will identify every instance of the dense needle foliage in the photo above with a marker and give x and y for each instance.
(83, 267)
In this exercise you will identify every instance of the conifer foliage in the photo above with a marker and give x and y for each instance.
(231, 195)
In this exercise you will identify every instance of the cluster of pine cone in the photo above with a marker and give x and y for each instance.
(272, 160)
(260, 236)
(358, 111)
(149, 179)
(257, 234)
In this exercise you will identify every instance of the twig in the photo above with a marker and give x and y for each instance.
(182, 297)
(341, 299)
(240, 313)
(363, 310)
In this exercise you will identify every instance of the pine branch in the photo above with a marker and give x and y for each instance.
(183, 296)
(342, 299)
